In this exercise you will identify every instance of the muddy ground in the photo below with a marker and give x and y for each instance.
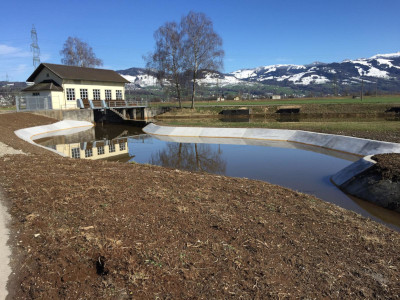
(107, 230)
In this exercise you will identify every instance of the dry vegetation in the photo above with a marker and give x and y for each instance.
(100, 230)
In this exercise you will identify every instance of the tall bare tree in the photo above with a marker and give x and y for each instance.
(167, 58)
(75, 52)
(202, 46)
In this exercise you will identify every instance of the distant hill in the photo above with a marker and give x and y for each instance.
(380, 72)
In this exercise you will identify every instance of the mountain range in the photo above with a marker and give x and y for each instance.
(379, 72)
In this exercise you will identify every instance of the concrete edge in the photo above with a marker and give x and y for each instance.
(5, 249)
(64, 127)
(353, 170)
(352, 145)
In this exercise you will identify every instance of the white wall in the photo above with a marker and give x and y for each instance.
(43, 76)
(91, 85)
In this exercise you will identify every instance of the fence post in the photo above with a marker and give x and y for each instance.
(17, 103)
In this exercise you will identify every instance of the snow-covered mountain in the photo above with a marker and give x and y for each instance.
(383, 69)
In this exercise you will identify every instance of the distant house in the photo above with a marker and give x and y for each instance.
(63, 85)
(276, 97)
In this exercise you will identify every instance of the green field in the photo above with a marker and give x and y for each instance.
(7, 108)
(381, 99)
(345, 116)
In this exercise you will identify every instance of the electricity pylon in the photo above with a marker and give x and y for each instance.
(35, 47)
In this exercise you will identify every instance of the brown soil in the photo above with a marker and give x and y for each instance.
(388, 165)
(96, 229)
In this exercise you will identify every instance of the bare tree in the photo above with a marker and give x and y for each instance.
(191, 157)
(75, 52)
(202, 46)
(167, 59)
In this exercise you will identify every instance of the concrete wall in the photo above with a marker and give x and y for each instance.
(342, 143)
(57, 100)
(151, 112)
(76, 114)
(360, 179)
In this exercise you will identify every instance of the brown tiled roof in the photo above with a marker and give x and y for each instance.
(46, 85)
(80, 73)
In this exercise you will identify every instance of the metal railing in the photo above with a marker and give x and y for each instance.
(93, 104)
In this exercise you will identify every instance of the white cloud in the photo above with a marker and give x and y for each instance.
(9, 51)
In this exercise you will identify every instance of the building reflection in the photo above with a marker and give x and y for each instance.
(103, 149)
(190, 157)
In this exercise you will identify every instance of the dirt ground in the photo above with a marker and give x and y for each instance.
(106, 230)
(388, 165)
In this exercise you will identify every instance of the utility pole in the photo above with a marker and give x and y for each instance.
(35, 47)
(335, 85)
(362, 89)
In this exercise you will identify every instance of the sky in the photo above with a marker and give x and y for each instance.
(254, 32)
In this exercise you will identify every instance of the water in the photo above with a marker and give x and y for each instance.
(299, 167)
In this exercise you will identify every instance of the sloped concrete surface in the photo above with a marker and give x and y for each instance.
(352, 170)
(59, 128)
(5, 251)
(347, 144)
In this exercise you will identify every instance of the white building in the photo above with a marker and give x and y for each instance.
(63, 85)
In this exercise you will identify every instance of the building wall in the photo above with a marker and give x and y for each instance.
(58, 101)
(43, 76)
(71, 114)
(91, 85)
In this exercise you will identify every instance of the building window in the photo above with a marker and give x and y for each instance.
(35, 94)
(89, 152)
(111, 148)
(84, 94)
(76, 153)
(96, 94)
(118, 94)
(108, 94)
(100, 150)
(121, 146)
(70, 94)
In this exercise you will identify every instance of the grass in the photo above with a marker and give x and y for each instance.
(343, 100)
(376, 126)
(8, 108)
(372, 129)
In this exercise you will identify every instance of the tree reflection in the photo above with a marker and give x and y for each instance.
(190, 157)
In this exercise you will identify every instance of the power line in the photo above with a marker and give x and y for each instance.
(35, 47)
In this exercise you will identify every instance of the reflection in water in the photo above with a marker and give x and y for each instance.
(190, 157)
(296, 166)
(94, 150)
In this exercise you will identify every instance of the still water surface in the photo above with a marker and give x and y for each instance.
(303, 168)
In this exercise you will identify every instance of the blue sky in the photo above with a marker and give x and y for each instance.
(254, 32)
